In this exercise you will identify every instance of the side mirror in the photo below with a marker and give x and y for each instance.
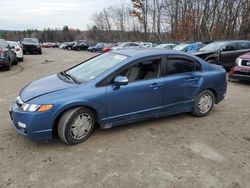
(121, 81)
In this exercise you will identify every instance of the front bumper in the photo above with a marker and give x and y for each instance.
(3, 62)
(239, 77)
(33, 125)
(31, 49)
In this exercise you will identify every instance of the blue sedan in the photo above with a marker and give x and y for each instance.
(116, 88)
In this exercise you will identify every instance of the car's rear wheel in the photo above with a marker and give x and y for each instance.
(76, 125)
(203, 104)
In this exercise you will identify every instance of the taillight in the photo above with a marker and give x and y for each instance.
(232, 70)
(2, 53)
(17, 49)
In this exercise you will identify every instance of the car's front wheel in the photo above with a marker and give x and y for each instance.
(203, 104)
(76, 125)
(211, 61)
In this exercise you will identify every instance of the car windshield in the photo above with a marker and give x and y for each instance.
(11, 43)
(180, 47)
(31, 40)
(214, 46)
(96, 66)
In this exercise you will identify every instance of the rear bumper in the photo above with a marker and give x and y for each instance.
(19, 54)
(239, 77)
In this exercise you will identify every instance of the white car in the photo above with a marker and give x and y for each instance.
(17, 49)
(168, 46)
(126, 45)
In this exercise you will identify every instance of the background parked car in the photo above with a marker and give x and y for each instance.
(147, 45)
(242, 69)
(7, 55)
(17, 49)
(108, 47)
(80, 46)
(63, 45)
(190, 47)
(97, 48)
(223, 52)
(31, 45)
(126, 45)
(68, 46)
(166, 46)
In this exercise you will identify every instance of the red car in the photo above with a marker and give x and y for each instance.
(242, 69)
(106, 49)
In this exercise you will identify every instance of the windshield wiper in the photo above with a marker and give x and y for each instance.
(70, 77)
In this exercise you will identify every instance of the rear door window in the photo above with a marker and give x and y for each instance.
(177, 65)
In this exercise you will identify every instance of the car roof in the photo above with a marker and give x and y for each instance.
(229, 41)
(146, 52)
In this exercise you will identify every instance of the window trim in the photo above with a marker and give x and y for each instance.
(181, 57)
(115, 73)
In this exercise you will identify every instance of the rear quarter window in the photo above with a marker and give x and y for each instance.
(243, 45)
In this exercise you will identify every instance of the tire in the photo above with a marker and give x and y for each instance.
(202, 108)
(8, 65)
(68, 121)
(20, 59)
(40, 52)
(15, 62)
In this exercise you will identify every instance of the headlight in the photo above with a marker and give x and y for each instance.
(35, 107)
(238, 62)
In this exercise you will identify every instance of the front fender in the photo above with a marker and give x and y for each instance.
(211, 56)
(62, 108)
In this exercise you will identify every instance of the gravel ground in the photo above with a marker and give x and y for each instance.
(178, 151)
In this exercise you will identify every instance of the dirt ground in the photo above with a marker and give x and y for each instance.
(178, 151)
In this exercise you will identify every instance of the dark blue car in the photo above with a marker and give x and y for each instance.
(116, 88)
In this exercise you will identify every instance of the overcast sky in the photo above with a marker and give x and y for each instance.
(40, 14)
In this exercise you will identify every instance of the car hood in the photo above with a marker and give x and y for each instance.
(43, 86)
(197, 53)
(245, 56)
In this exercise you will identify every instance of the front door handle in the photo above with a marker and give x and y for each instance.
(155, 85)
(193, 79)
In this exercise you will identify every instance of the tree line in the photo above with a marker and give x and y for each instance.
(156, 20)
(183, 20)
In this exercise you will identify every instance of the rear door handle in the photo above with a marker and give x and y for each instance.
(193, 79)
(155, 85)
